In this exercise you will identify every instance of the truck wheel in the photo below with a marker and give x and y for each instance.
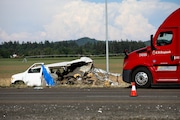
(142, 77)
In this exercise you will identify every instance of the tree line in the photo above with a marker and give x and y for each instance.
(83, 46)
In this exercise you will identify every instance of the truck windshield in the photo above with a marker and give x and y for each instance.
(164, 38)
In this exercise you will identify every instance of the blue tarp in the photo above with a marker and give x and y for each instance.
(47, 77)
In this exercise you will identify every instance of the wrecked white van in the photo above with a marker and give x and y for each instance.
(31, 77)
(34, 75)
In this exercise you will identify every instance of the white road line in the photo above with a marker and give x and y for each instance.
(120, 96)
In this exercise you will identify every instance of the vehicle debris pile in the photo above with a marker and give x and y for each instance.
(84, 73)
(76, 72)
(93, 76)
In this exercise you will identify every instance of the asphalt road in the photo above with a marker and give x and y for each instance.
(89, 104)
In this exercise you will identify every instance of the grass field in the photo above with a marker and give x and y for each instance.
(8, 66)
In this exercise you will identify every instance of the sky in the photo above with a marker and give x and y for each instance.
(59, 20)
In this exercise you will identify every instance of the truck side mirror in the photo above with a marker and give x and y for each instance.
(152, 45)
(126, 53)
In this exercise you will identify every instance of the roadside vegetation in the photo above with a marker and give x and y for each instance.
(84, 46)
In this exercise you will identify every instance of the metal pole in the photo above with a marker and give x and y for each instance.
(107, 46)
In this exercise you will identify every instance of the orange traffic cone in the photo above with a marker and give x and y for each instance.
(133, 90)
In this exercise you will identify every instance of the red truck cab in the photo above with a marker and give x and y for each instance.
(158, 63)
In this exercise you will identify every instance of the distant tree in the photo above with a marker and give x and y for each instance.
(85, 46)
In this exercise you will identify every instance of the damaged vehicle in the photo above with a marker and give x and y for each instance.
(52, 74)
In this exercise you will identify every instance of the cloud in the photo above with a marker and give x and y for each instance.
(21, 36)
(77, 19)
(73, 19)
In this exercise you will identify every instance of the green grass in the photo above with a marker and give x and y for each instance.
(115, 64)
(8, 66)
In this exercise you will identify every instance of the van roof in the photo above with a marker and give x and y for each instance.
(173, 20)
(63, 64)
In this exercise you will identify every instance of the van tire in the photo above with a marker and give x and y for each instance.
(142, 77)
(19, 83)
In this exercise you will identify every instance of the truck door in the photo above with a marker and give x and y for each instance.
(33, 76)
(163, 56)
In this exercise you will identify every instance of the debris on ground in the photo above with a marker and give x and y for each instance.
(87, 74)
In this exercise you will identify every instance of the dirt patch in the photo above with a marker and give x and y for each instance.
(5, 82)
(117, 82)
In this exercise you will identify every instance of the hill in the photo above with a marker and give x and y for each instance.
(147, 43)
(85, 40)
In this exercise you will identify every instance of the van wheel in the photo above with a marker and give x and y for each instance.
(142, 77)
(19, 83)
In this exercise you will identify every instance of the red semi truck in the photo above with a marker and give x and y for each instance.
(158, 63)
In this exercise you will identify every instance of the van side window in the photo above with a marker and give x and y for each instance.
(164, 38)
(37, 70)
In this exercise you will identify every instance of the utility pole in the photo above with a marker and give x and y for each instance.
(107, 46)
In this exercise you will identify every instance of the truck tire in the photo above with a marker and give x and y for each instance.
(142, 77)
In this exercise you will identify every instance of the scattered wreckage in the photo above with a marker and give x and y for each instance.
(79, 71)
